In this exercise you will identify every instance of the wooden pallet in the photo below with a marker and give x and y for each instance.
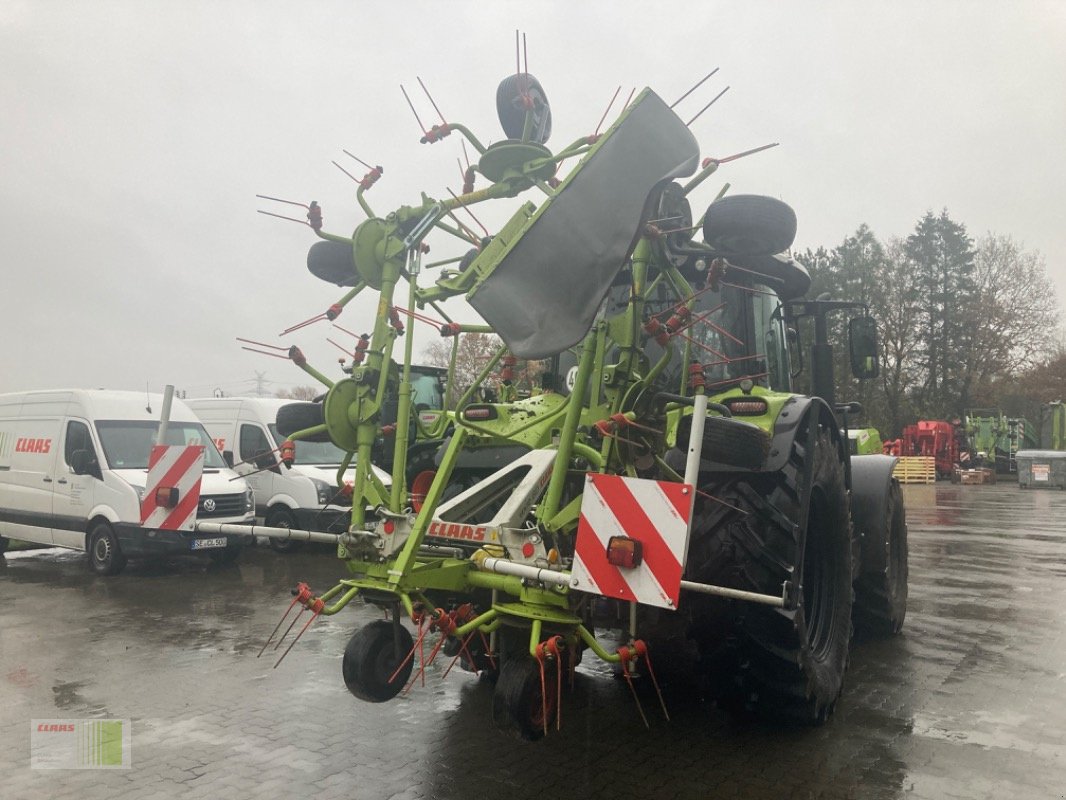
(915, 469)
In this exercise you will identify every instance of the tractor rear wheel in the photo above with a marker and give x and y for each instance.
(519, 703)
(376, 662)
(881, 588)
(764, 530)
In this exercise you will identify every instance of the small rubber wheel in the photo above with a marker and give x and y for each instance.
(519, 704)
(105, 556)
(372, 661)
(749, 225)
(300, 416)
(282, 518)
(512, 112)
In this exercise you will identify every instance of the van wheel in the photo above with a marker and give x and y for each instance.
(105, 556)
(282, 518)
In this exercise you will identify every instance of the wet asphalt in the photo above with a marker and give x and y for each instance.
(966, 703)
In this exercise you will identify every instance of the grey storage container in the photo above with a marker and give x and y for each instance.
(1041, 469)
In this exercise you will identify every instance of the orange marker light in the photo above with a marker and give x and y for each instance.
(624, 552)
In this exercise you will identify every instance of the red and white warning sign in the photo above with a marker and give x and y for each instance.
(173, 488)
(631, 539)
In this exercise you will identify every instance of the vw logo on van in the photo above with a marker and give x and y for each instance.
(209, 505)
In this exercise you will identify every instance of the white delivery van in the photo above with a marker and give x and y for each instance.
(304, 495)
(73, 467)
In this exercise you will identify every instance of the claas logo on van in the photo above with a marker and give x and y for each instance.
(24, 445)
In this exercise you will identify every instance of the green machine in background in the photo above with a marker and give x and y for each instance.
(999, 437)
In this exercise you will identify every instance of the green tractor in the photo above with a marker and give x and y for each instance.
(669, 484)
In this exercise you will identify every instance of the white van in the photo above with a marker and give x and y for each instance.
(304, 495)
(73, 466)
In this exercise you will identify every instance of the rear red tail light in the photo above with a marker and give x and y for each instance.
(166, 496)
(624, 552)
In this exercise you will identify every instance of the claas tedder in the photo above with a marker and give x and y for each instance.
(667, 483)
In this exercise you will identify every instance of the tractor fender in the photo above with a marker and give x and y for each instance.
(871, 480)
(792, 419)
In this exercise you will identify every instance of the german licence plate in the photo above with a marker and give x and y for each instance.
(207, 544)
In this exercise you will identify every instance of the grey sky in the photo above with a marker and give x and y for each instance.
(136, 134)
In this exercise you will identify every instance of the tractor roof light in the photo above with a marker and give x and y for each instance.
(747, 407)
(624, 552)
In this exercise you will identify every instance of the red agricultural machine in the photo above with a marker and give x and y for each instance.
(935, 438)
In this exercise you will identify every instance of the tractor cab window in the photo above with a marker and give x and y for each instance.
(770, 336)
(742, 335)
(426, 391)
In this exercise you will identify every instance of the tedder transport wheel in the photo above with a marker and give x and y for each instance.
(282, 518)
(105, 556)
(760, 533)
(881, 588)
(371, 658)
(300, 416)
(749, 225)
(518, 703)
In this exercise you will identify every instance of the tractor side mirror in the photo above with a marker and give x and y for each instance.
(862, 346)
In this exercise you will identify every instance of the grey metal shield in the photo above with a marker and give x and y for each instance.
(543, 294)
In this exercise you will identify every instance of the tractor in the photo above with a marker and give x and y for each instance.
(668, 483)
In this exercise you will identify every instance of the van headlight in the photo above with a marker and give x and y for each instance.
(249, 502)
(324, 490)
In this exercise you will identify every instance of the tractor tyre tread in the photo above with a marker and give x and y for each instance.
(881, 588)
(773, 661)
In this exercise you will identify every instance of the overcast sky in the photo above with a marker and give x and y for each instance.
(135, 136)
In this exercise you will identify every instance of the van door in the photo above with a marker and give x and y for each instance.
(30, 480)
(74, 494)
(256, 453)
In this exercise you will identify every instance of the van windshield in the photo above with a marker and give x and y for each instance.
(318, 453)
(128, 443)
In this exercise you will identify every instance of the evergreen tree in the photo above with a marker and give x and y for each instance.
(942, 256)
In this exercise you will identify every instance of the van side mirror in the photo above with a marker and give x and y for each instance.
(83, 462)
(227, 456)
(862, 347)
(267, 461)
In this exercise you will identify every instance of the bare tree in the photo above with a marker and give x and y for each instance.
(1017, 316)
(899, 318)
(473, 354)
(299, 393)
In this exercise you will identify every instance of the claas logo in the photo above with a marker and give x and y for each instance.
(24, 445)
